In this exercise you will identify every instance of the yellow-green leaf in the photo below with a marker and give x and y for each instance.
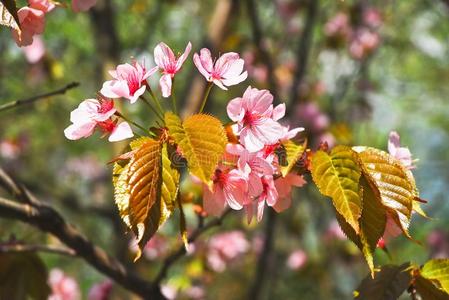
(202, 140)
(8, 14)
(437, 270)
(337, 176)
(392, 182)
(146, 188)
(293, 153)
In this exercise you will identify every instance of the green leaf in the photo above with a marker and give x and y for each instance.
(429, 291)
(202, 140)
(437, 270)
(293, 153)
(391, 182)
(8, 14)
(388, 284)
(372, 224)
(337, 176)
(23, 276)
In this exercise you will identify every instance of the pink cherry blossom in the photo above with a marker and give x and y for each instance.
(226, 71)
(269, 195)
(166, 60)
(32, 22)
(297, 259)
(284, 188)
(229, 187)
(338, 26)
(91, 114)
(401, 153)
(100, 291)
(44, 5)
(35, 51)
(63, 287)
(254, 115)
(129, 81)
(363, 43)
(82, 5)
(224, 247)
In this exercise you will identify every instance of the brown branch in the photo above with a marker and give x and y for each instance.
(264, 263)
(48, 220)
(305, 44)
(171, 259)
(16, 247)
(256, 29)
(30, 100)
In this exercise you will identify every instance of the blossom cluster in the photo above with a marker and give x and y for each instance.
(249, 174)
(32, 18)
(362, 38)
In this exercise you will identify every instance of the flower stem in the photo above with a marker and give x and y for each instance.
(206, 95)
(131, 122)
(152, 108)
(155, 100)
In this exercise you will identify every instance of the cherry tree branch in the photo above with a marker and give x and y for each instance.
(19, 247)
(30, 100)
(257, 34)
(176, 255)
(305, 44)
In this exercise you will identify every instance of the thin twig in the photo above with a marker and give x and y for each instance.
(30, 100)
(256, 29)
(305, 44)
(36, 248)
(171, 259)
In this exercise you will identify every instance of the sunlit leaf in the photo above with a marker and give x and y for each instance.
(146, 188)
(202, 140)
(392, 182)
(8, 14)
(429, 291)
(437, 270)
(23, 276)
(389, 283)
(292, 154)
(337, 176)
(183, 225)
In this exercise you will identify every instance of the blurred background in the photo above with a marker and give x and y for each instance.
(349, 71)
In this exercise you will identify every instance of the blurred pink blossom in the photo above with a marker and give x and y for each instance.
(363, 43)
(43, 5)
(401, 153)
(170, 65)
(63, 287)
(100, 291)
(226, 71)
(338, 26)
(82, 5)
(9, 149)
(334, 231)
(224, 247)
(296, 260)
(35, 51)
(129, 82)
(156, 247)
(32, 22)
(372, 17)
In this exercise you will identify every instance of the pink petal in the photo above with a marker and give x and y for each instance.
(213, 203)
(393, 142)
(77, 131)
(183, 57)
(200, 65)
(279, 112)
(121, 132)
(219, 83)
(165, 84)
(269, 131)
(115, 89)
(224, 62)
(137, 94)
(235, 80)
(234, 69)
(82, 5)
(35, 51)
(282, 204)
(257, 101)
(235, 110)
(251, 142)
(163, 56)
(255, 187)
(206, 60)
(150, 72)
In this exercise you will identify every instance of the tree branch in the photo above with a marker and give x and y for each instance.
(171, 259)
(30, 100)
(305, 43)
(48, 220)
(19, 247)
(256, 29)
